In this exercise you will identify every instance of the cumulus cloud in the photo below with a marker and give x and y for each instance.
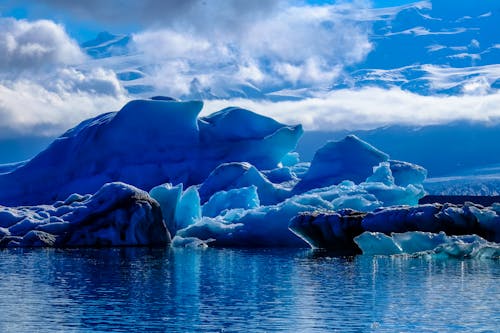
(68, 97)
(41, 90)
(36, 45)
(370, 108)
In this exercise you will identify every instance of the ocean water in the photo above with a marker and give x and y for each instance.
(224, 290)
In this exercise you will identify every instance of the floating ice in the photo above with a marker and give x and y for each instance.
(348, 159)
(428, 245)
(321, 230)
(117, 215)
(147, 143)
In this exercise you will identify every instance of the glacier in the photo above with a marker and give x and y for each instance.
(158, 173)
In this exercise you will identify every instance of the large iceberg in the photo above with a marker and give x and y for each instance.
(147, 143)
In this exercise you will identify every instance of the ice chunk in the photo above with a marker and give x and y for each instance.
(246, 198)
(168, 197)
(116, 215)
(405, 173)
(418, 241)
(264, 226)
(190, 242)
(381, 174)
(427, 244)
(334, 231)
(290, 159)
(348, 159)
(376, 243)
(403, 218)
(229, 176)
(188, 210)
(281, 175)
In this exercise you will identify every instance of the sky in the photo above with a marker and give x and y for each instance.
(329, 65)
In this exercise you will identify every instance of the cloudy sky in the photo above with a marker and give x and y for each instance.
(328, 65)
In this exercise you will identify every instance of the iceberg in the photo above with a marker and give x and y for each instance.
(116, 215)
(321, 230)
(236, 175)
(348, 159)
(145, 144)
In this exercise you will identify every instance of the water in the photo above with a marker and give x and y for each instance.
(220, 290)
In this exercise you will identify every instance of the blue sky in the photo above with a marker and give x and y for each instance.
(328, 65)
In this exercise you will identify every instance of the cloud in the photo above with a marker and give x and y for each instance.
(297, 46)
(370, 108)
(29, 106)
(41, 89)
(35, 45)
(203, 16)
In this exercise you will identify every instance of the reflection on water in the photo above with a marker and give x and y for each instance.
(220, 290)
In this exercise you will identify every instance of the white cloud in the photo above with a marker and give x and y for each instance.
(28, 106)
(298, 46)
(35, 45)
(370, 108)
(41, 90)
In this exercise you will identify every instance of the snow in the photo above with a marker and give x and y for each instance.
(117, 215)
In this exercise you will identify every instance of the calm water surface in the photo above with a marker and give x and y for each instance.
(220, 290)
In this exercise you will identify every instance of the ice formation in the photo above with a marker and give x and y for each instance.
(337, 231)
(147, 143)
(227, 179)
(427, 244)
(348, 159)
(116, 215)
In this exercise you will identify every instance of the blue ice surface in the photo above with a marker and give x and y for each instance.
(427, 244)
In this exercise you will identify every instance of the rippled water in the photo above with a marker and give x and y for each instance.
(220, 290)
